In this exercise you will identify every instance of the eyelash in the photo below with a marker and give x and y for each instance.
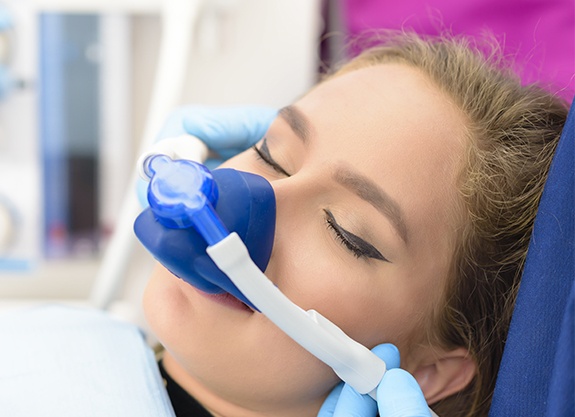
(353, 249)
(347, 239)
(331, 224)
(268, 161)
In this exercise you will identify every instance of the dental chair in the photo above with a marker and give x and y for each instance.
(536, 374)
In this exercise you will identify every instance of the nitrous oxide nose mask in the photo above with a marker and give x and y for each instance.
(191, 208)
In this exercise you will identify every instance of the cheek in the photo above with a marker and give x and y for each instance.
(164, 306)
(372, 307)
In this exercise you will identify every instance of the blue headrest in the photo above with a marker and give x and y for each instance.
(536, 374)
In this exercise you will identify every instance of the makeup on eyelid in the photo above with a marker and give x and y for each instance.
(264, 154)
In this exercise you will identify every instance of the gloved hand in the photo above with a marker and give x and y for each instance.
(226, 130)
(398, 394)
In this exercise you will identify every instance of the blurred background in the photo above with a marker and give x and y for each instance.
(77, 82)
(84, 83)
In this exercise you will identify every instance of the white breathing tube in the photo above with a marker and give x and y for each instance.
(355, 364)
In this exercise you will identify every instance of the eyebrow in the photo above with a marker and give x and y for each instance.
(297, 121)
(369, 191)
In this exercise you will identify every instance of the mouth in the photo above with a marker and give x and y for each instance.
(226, 299)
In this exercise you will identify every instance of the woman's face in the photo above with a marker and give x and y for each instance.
(364, 169)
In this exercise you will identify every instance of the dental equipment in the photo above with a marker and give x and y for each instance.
(189, 203)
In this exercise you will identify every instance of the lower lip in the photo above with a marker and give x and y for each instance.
(227, 300)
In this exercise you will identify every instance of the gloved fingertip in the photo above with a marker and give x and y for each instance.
(266, 117)
(352, 403)
(269, 113)
(399, 394)
(401, 380)
(389, 353)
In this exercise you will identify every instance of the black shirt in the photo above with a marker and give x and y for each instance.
(184, 404)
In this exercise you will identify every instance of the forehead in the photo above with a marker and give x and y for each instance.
(388, 107)
(380, 98)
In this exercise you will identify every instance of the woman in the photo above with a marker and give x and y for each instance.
(407, 184)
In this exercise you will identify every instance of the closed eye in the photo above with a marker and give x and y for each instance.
(264, 154)
(356, 245)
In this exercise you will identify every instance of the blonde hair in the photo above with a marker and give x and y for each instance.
(513, 132)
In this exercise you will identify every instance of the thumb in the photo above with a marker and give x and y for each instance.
(389, 353)
(399, 395)
(353, 404)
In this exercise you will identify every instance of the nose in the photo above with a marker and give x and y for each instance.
(298, 198)
(296, 193)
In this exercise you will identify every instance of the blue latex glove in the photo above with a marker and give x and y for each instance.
(226, 130)
(398, 394)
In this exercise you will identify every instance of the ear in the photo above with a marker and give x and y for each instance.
(445, 374)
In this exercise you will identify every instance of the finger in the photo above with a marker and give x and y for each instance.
(399, 395)
(230, 127)
(352, 404)
(328, 406)
(389, 353)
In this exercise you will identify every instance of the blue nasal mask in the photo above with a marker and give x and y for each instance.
(215, 230)
(191, 208)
